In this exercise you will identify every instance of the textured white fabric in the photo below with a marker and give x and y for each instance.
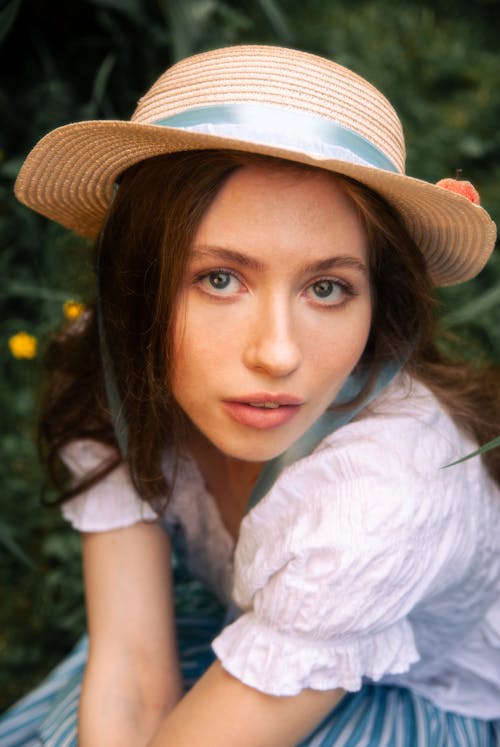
(368, 555)
(367, 559)
(112, 503)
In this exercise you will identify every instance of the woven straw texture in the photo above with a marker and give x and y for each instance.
(70, 173)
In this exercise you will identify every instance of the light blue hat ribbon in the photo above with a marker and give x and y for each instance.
(279, 127)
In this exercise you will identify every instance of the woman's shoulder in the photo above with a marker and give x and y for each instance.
(377, 473)
(406, 429)
(85, 455)
(333, 563)
(112, 502)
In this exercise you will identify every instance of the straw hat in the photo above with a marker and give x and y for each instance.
(259, 99)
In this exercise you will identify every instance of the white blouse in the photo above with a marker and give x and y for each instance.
(368, 560)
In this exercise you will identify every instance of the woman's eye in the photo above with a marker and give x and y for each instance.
(327, 292)
(220, 282)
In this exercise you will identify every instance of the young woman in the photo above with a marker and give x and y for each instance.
(258, 385)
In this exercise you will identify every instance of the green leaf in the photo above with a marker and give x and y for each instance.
(486, 447)
(101, 79)
(25, 290)
(7, 17)
(130, 8)
(486, 301)
(13, 548)
(277, 19)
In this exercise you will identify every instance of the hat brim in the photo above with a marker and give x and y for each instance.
(69, 177)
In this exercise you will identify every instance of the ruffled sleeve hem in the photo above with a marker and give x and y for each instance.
(278, 664)
(112, 503)
(111, 508)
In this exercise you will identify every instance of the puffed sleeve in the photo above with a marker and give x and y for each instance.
(331, 563)
(111, 503)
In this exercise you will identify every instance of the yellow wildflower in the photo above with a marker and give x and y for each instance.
(73, 309)
(23, 345)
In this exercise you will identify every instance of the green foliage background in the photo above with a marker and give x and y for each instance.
(438, 62)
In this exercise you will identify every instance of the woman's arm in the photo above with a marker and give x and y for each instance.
(223, 712)
(132, 677)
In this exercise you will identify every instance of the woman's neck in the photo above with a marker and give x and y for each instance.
(229, 480)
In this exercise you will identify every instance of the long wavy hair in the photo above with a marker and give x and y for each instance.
(142, 254)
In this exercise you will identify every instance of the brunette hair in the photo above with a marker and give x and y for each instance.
(141, 257)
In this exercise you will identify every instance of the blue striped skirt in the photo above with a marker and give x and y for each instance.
(376, 716)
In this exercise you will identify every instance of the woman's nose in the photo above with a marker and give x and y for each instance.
(272, 342)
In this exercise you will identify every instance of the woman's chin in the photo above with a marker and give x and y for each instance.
(248, 452)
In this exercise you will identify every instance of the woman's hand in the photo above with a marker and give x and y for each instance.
(132, 678)
(220, 711)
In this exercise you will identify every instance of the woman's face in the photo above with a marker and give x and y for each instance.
(274, 312)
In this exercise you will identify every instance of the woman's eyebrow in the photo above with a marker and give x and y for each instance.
(233, 256)
(226, 255)
(339, 260)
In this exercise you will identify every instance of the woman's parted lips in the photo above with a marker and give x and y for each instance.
(262, 410)
(266, 399)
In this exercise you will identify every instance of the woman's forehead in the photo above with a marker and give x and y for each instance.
(266, 210)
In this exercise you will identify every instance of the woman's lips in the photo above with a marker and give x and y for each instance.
(263, 412)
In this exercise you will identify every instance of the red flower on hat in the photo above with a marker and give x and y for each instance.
(461, 187)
